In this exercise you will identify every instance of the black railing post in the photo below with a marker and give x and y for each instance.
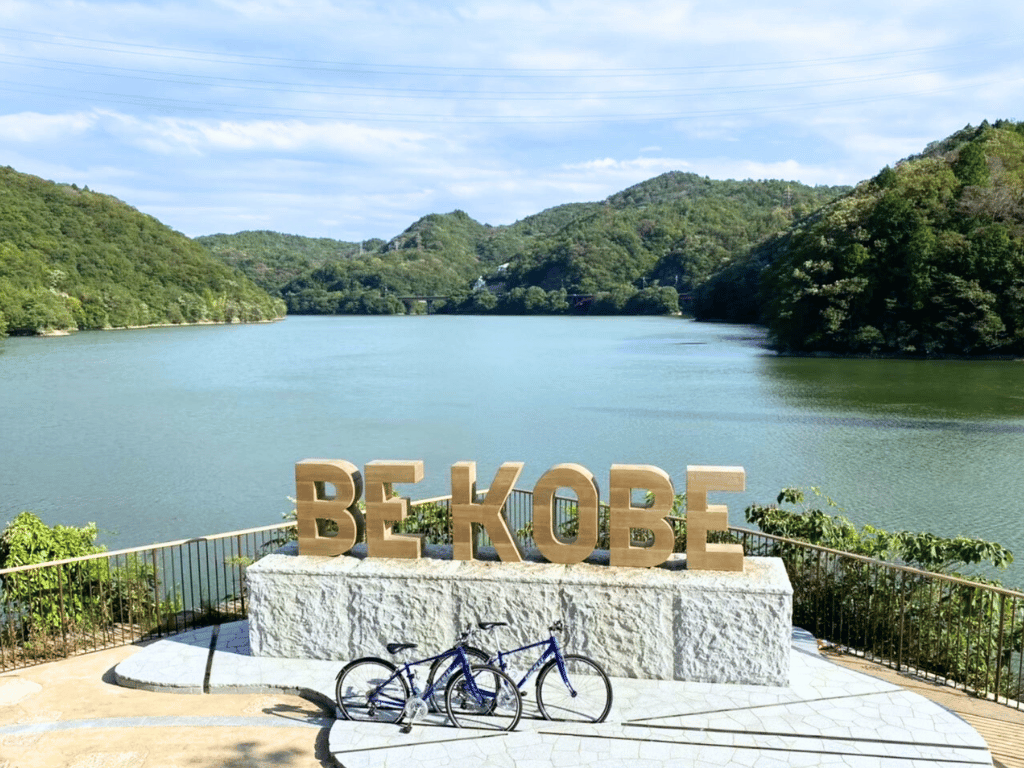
(241, 575)
(899, 648)
(156, 593)
(63, 613)
(999, 644)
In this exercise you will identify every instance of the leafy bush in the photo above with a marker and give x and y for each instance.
(962, 631)
(46, 599)
(920, 550)
(90, 594)
(432, 520)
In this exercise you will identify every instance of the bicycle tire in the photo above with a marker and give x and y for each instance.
(499, 707)
(593, 698)
(371, 690)
(436, 701)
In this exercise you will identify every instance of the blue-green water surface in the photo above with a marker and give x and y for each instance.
(169, 433)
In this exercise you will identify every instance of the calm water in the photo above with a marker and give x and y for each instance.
(168, 433)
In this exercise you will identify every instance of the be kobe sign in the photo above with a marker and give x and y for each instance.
(313, 476)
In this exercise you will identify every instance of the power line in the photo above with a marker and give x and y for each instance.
(138, 49)
(213, 81)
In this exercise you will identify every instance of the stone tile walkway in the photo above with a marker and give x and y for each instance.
(827, 716)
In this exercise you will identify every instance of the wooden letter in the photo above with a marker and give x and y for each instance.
(381, 511)
(623, 516)
(701, 518)
(551, 545)
(465, 511)
(312, 504)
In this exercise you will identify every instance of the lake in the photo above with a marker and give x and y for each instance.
(169, 433)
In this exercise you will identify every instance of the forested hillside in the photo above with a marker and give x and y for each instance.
(73, 259)
(926, 258)
(674, 230)
(271, 259)
(635, 252)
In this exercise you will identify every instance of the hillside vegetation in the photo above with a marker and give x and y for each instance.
(634, 252)
(73, 259)
(926, 258)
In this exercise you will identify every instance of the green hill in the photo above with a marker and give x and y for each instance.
(73, 259)
(271, 259)
(634, 252)
(674, 230)
(926, 258)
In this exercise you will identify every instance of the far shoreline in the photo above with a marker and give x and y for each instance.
(69, 331)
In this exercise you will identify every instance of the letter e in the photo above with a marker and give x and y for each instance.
(701, 518)
(381, 511)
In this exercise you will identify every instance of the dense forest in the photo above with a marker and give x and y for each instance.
(924, 259)
(636, 252)
(73, 259)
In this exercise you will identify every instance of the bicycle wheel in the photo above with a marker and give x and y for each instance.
(488, 701)
(590, 698)
(443, 667)
(371, 690)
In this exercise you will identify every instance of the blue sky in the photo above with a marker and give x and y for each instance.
(351, 119)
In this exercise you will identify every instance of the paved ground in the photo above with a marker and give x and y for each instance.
(72, 713)
(1000, 726)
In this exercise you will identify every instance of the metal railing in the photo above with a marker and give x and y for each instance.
(962, 633)
(56, 609)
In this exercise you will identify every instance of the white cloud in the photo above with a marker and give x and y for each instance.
(242, 113)
(205, 137)
(32, 127)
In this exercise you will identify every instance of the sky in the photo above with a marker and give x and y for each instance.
(351, 119)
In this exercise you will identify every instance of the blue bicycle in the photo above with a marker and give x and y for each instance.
(475, 696)
(569, 686)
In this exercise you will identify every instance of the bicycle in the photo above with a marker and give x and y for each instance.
(580, 692)
(372, 689)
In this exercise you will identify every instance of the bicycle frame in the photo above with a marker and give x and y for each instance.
(551, 649)
(406, 670)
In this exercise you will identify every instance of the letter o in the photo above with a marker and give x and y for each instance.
(583, 483)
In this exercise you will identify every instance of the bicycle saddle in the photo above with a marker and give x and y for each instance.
(492, 624)
(398, 647)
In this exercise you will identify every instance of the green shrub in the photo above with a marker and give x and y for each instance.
(956, 629)
(48, 599)
(85, 595)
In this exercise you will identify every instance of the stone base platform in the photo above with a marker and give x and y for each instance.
(664, 623)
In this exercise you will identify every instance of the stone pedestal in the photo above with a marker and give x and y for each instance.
(664, 623)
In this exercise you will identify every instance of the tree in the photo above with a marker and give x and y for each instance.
(971, 166)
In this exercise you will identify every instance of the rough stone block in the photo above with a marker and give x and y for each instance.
(664, 623)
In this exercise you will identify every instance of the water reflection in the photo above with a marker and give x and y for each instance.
(975, 390)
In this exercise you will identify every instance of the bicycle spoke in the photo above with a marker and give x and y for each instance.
(487, 700)
(588, 701)
(369, 690)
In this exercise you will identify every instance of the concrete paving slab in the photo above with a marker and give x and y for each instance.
(827, 716)
(176, 664)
